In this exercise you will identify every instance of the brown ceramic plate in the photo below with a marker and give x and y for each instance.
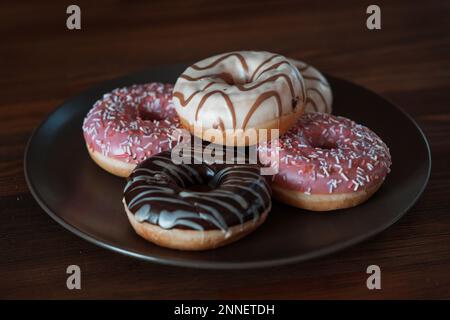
(86, 200)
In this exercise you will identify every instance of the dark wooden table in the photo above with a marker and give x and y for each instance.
(43, 63)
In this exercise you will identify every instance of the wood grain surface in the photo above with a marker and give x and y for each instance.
(44, 63)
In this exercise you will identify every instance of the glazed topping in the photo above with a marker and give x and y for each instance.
(132, 123)
(319, 97)
(329, 154)
(196, 196)
(238, 90)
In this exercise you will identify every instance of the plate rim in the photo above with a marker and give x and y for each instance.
(218, 265)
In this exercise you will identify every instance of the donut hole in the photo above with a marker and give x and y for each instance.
(324, 144)
(150, 113)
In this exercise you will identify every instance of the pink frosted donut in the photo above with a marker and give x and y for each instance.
(328, 162)
(129, 125)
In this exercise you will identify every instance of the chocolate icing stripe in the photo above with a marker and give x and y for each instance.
(173, 173)
(189, 223)
(270, 79)
(230, 195)
(254, 178)
(130, 186)
(320, 94)
(184, 102)
(214, 217)
(315, 80)
(193, 172)
(216, 214)
(313, 103)
(276, 65)
(242, 202)
(169, 162)
(257, 195)
(147, 170)
(226, 56)
(224, 172)
(230, 104)
(227, 100)
(263, 63)
(200, 197)
(304, 68)
(173, 169)
(256, 214)
(144, 193)
(171, 219)
(225, 76)
(322, 81)
(264, 188)
(161, 199)
(263, 97)
(146, 187)
(220, 125)
(254, 174)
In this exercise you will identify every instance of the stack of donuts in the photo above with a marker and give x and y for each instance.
(323, 162)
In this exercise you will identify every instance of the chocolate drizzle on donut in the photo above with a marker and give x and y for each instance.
(319, 94)
(248, 84)
(321, 80)
(225, 76)
(166, 194)
(184, 102)
(318, 90)
(263, 97)
(226, 56)
(228, 101)
(262, 64)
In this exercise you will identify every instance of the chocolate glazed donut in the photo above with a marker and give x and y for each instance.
(195, 206)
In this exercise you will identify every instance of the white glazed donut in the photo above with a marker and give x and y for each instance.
(318, 90)
(230, 94)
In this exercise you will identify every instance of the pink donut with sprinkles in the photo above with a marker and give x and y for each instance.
(130, 124)
(327, 162)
